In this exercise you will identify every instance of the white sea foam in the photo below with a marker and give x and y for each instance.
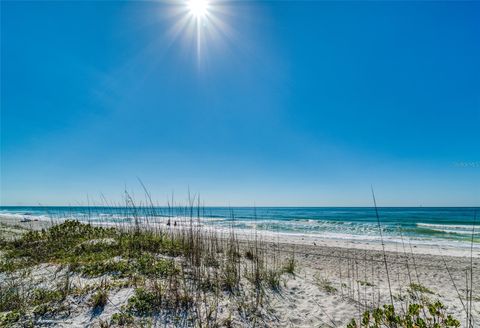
(446, 226)
(463, 229)
(303, 228)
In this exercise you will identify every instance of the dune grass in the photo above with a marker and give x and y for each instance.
(181, 274)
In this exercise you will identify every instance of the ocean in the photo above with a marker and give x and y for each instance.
(422, 225)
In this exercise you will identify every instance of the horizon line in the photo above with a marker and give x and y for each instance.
(250, 206)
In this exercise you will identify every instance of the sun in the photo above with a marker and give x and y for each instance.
(198, 8)
(202, 25)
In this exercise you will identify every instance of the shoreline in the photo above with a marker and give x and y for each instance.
(374, 244)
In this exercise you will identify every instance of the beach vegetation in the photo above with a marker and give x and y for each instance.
(99, 299)
(182, 273)
(419, 288)
(43, 295)
(326, 285)
(430, 315)
(143, 302)
(273, 279)
(11, 298)
(122, 319)
(365, 283)
(249, 255)
(289, 266)
(9, 318)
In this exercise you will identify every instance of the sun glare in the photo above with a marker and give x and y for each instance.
(202, 25)
(198, 8)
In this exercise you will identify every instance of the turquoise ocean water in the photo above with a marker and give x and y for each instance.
(428, 225)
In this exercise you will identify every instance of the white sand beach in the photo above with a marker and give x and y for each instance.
(333, 281)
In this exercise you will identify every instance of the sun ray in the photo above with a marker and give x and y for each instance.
(200, 24)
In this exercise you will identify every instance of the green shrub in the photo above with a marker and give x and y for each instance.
(100, 268)
(143, 302)
(134, 244)
(11, 299)
(10, 318)
(55, 244)
(147, 264)
(99, 299)
(289, 266)
(43, 309)
(431, 315)
(41, 296)
(122, 319)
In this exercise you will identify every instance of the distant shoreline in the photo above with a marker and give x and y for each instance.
(292, 239)
(252, 207)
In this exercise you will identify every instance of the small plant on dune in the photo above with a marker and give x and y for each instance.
(230, 277)
(11, 299)
(50, 309)
(419, 288)
(99, 299)
(12, 265)
(326, 285)
(143, 302)
(10, 318)
(147, 264)
(122, 319)
(430, 315)
(272, 278)
(103, 324)
(42, 296)
(100, 268)
(289, 266)
(147, 301)
(135, 243)
(249, 255)
(43, 309)
(47, 302)
(211, 261)
(365, 283)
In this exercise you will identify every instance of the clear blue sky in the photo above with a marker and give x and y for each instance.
(284, 103)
